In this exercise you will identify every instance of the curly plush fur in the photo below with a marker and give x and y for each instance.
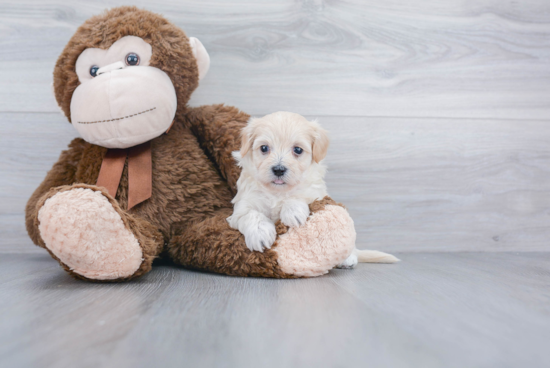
(194, 175)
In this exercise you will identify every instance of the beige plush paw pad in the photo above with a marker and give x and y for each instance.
(85, 232)
(324, 241)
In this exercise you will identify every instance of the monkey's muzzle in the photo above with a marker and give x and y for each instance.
(124, 106)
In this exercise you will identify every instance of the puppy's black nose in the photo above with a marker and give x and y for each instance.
(279, 170)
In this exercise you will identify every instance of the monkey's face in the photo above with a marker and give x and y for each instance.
(121, 101)
(125, 74)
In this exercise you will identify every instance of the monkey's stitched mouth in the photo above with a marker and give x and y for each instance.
(115, 119)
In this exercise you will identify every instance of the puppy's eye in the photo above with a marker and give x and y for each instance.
(298, 150)
(132, 59)
(264, 149)
(93, 70)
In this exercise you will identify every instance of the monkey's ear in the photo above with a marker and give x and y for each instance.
(201, 55)
(320, 143)
(246, 139)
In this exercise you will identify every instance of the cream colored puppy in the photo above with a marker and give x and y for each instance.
(282, 173)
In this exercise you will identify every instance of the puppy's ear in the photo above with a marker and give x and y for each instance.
(246, 139)
(320, 143)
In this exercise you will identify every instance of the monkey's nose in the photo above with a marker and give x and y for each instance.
(278, 170)
(111, 67)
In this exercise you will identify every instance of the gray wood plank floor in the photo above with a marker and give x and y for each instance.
(440, 123)
(430, 310)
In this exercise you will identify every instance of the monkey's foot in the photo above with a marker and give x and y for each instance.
(83, 230)
(324, 241)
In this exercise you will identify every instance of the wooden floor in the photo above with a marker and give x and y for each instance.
(431, 310)
(439, 114)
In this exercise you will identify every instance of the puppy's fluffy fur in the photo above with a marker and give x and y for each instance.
(282, 173)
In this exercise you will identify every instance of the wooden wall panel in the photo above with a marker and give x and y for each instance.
(410, 184)
(477, 59)
(438, 111)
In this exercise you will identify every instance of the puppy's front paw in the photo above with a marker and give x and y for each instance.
(294, 213)
(261, 237)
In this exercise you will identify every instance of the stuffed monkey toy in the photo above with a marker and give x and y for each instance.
(152, 176)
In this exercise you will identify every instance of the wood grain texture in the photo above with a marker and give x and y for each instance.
(431, 310)
(477, 59)
(443, 184)
(439, 119)
(409, 184)
(29, 146)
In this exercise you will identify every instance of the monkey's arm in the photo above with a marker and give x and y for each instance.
(62, 173)
(218, 129)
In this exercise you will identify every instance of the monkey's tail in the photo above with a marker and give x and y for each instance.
(374, 256)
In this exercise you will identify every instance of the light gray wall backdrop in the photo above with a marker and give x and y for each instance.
(439, 111)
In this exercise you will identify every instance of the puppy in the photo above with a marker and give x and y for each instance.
(282, 173)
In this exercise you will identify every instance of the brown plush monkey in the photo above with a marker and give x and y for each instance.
(152, 175)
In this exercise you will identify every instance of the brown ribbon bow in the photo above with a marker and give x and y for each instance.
(140, 172)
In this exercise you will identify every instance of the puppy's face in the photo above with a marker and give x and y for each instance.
(280, 148)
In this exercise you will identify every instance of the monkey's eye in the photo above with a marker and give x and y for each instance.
(93, 70)
(132, 59)
(298, 150)
(264, 149)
